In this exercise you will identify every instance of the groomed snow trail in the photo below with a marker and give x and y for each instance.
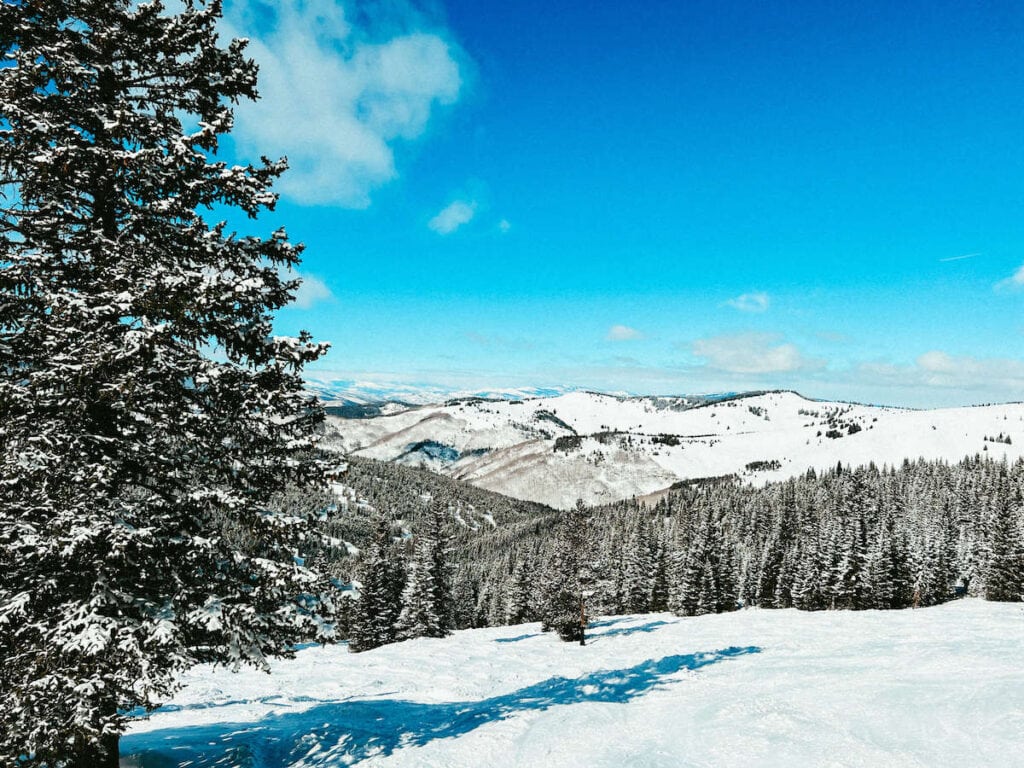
(940, 686)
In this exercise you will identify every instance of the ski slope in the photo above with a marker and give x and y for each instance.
(940, 686)
(619, 446)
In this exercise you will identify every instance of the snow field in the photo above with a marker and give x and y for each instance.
(941, 686)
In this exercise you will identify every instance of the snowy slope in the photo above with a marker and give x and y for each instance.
(940, 686)
(513, 446)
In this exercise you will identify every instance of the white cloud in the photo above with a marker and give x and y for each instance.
(452, 217)
(939, 369)
(336, 95)
(963, 378)
(752, 353)
(504, 226)
(1013, 282)
(311, 291)
(756, 301)
(623, 333)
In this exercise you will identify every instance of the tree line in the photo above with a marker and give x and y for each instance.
(849, 538)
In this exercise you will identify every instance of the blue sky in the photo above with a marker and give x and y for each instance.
(657, 198)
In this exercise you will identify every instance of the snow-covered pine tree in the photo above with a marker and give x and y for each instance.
(707, 577)
(809, 585)
(1004, 571)
(464, 598)
(521, 588)
(775, 571)
(418, 617)
(851, 588)
(440, 569)
(376, 611)
(659, 583)
(639, 575)
(568, 577)
(145, 406)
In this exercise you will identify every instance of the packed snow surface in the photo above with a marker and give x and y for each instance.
(940, 686)
(603, 448)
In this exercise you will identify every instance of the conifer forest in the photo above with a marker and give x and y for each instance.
(851, 538)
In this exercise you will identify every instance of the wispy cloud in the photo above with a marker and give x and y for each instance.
(960, 258)
(753, 353)
(311, 291)
(504, 226)
(937, 370)
(623, 333)
(1013, 282)
(756, 301)
(338, 91)
(452, 217)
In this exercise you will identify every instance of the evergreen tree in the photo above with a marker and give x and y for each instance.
(484, 601)
(809, 588)
(427, 606)
(659, 582)
(419, 606)
(438, 567)
(705, 592)
(520, 599)
(1004, 572)
(881, 571)
(147, 412)
(850, 588)
(376, 612)
(464, 598)
(933, 580)
(568, 578)
(708, 573)
(639, 570)
(783, 597)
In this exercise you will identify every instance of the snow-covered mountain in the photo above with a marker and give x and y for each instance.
(933, 687)
(602, 448)
(337, 393)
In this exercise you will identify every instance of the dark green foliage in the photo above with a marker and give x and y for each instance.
(1004, 571)
(567, 443)
(853, 538)
(521, 606)
(381, 582)
(569, 576)
(427, 605)
(149, 416)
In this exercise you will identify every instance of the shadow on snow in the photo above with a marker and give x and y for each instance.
(648, 627)
(517, 638)
(349, 731)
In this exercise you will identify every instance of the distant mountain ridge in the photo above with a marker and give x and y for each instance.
(602, 448)
(337, 393)
(341, 392)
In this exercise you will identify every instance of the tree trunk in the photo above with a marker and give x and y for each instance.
(583, 621)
